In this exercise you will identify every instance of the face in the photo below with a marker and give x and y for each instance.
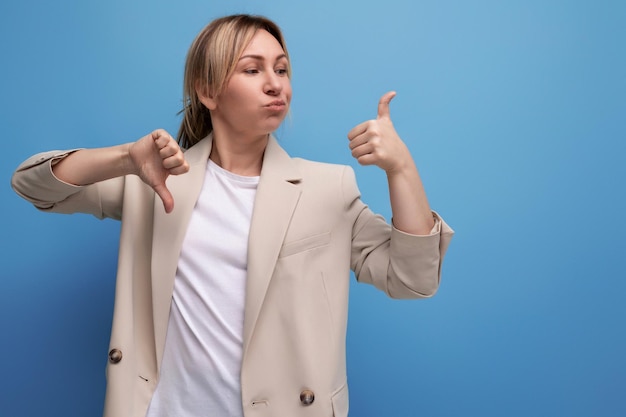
(257, 96)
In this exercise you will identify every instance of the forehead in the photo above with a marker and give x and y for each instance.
(263, 43)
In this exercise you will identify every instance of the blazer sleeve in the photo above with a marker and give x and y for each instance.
(400, 264)
(34, 181)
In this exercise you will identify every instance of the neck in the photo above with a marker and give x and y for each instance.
(237, 155)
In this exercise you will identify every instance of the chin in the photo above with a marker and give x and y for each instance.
(273, 128)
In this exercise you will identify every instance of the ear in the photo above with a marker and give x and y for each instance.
(205, 96)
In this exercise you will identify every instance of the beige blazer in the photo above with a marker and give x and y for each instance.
(309, 229)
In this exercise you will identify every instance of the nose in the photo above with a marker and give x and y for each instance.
(273, 84)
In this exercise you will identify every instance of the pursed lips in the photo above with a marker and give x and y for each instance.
(276, 104)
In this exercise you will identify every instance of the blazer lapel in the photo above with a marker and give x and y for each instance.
(276, 198)
(169, 232)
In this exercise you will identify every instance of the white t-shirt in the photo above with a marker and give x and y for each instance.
(200, 371)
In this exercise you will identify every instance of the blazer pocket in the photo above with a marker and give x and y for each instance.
(305, 244)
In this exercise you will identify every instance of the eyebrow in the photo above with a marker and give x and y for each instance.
(261, 58)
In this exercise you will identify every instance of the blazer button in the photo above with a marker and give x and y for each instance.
(307, 397)
(115, 356)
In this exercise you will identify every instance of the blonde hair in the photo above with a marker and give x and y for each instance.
(211, 60)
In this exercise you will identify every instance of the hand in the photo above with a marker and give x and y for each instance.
(154, 157)
(375, 142)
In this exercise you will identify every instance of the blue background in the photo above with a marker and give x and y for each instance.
(514, 110)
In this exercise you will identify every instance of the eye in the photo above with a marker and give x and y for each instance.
(281, 71)
(251, 71)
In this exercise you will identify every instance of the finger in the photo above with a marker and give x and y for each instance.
(175, 162)
(367, 159)
(364, 149)
(383, 105)
(170, 149)
(179, 170)
(357, 130)
(161, 138)
(165, 196)
(361, 139)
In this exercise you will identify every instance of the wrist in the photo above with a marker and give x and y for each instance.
(126, 161)
(402, 168)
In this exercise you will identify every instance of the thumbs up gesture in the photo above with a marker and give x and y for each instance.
(375, 142)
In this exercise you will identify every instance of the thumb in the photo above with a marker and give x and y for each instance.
(165, 196)
(383, 105)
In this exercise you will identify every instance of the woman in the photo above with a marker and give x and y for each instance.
(232, 285)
